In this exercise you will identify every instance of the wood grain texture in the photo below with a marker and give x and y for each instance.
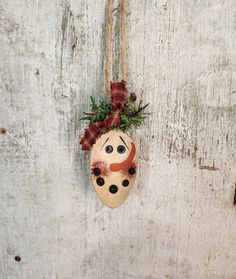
(179, 220)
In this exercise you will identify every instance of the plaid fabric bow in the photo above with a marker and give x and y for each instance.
(93, 131)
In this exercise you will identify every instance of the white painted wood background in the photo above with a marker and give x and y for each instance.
(179, 221)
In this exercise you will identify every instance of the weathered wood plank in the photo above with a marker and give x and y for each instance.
(179, 220)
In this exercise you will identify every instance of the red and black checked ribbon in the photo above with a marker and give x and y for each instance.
(94, 131)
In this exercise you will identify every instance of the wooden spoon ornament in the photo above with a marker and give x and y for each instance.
(113, 164)
(113, 159)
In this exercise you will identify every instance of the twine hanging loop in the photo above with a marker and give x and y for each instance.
(109, 40)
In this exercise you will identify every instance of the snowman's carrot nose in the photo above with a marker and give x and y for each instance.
(126, 163)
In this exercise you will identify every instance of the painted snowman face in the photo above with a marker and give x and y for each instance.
(113, 164)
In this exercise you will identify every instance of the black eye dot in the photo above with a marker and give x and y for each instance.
(109, 149)
(100, 181)
(131, 170)
(96, 171)
(113, 189)
(121, 149)
(125, 182)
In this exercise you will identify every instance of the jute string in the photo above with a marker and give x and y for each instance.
(109, 40)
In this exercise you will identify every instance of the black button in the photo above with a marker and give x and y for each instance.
(131, 170)
(125, 182)
(109, 149)
(121, 149)
(113, 189)
(100, 181)
(96, 171)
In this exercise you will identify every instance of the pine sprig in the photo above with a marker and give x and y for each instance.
(98, 111)
(131, 117)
